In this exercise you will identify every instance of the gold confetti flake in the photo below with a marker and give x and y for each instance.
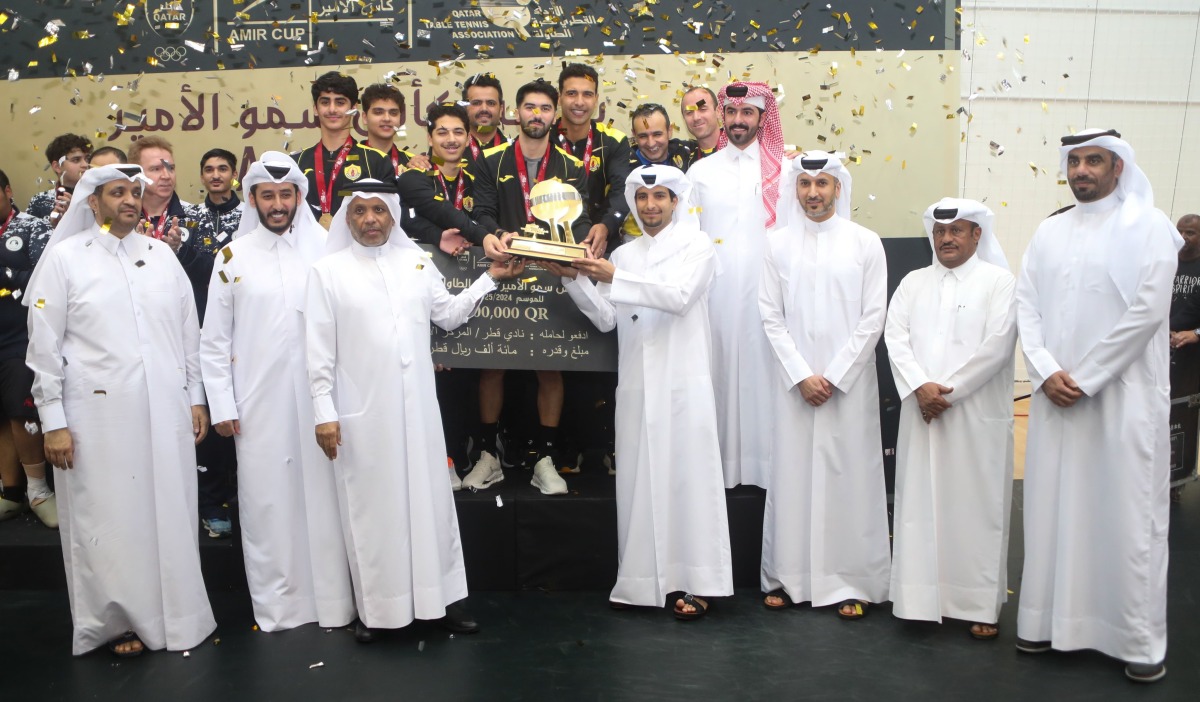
(227, 254)
(224, 278)
(47, 40)
(41, 303)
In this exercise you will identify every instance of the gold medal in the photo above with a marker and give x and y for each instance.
(326, 220)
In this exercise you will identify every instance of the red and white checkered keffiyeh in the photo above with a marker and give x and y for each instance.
(770, 140)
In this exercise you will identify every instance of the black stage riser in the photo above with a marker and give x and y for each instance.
(527, 541)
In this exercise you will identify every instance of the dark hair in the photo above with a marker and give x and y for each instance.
(64, 144)
(436, 112)
(712, 96)
(578, 70)
(106, 150)
(381, 91)
(483, 80)
(644, 111)
(3, 180)
(537, 86)
(337, 83)
(221, 154)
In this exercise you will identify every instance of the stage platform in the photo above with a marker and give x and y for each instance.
(514, 538)
(536, 646)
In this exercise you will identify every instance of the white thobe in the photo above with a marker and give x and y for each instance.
(370, 369)
(672, 530)
(958, 328)
(252, 355)
(823, 303)
(113, 344)
(1093, 299)
(728, 190)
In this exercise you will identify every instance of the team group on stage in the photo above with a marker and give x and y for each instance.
(748, 305)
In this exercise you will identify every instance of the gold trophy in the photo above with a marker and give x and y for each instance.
(557, 204)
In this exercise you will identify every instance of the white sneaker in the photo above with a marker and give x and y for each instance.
(455, 481)
(546, 478)
(47, 511)
(11, 508)
(486, 473)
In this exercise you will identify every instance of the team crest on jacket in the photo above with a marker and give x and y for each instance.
(468, 203)
(594, 164)
(14, 243)
(353, 171)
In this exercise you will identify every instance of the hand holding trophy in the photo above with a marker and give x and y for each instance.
(557, 204)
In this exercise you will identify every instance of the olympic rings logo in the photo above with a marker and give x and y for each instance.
(170, 53)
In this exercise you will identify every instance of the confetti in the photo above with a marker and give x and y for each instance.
(499, 502)
(318, 664)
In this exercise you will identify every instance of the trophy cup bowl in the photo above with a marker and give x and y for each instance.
(557, 204)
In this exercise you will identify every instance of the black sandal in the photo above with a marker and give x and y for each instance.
(787, 601)
(689, 599)
(860, 609)
(126, 638)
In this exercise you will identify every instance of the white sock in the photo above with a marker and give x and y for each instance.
(37, 489)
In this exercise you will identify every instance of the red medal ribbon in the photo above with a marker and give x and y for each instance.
(462, 187)
(476, 152)
(4, 227)
(587, 149)
(523, 175)
(325, 189)
(395, 153)
(161, 228)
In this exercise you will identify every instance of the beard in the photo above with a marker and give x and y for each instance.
(264, 218)
(534, 130)
(738, 138)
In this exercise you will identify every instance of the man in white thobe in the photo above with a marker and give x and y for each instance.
(823, 300)
(258, 393)
(951, 334)
(737, 192)
(1093, 303)
(370, 302)
(114, 347)
(672, 531)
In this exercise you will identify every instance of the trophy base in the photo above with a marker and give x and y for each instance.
(546, 250)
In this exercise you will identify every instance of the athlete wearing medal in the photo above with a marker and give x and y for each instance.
(502, 188)
(438, 202)
(603, 150)
(336, 161)
(484, 98)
